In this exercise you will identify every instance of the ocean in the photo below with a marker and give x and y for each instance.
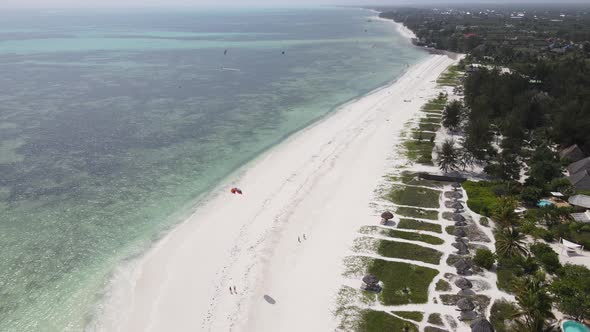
(113, 124)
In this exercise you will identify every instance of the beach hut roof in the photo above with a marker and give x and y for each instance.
(456, 185)
(458, 217)
(455, 194)
(468, 315)
(463, 283)
(466, 292)
(481, 325)
(370, 280)
(460, 224)
(465, 304)
(386, 215)
(459, 232)
(457, 206)
(462, 265)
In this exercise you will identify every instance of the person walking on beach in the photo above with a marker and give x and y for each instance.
(298, 239)
(230, 291)
(235, 290)
(304, 236)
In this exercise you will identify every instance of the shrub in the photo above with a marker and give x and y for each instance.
(531, 195)
(484, 221)
(502, 313)
(482, 199)
(484, 258)
(546, 256)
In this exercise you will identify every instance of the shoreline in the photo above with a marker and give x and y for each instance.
(233, 240)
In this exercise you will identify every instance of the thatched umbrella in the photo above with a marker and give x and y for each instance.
(458, 216)
(454, 194)
(463, 283)
(457, 206)
(386, 215)
(468, 315)
(460, 224)
(461, 247)
(370, 280)
(466, 292)
(456, 185)
(462, 239)
(462, 267)
(465, 304)
(481, 325)
(459, 232)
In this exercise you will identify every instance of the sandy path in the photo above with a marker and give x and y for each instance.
(319, 182)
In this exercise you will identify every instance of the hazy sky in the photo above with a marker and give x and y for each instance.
(233, 3)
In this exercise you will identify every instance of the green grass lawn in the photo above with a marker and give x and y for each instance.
(417, 134)
(408, 251)
(443, 286)
(377, 321)
(413, 315)
(417, 213)
(414, 236)
(450, 77)
(414, 196)
(419, 225)
(435, 319)
(420, 152)
(428, 126)
(482, 199)
(397, 277)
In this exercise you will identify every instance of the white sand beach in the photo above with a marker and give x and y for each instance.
(319, 182)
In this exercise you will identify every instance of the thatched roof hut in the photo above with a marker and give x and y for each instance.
(482, 325)
(370, 279)
(463, 283)
(465, 304)
(386, 215)
(458, 216)
(462, 248)
(466, 292)
(454, 194)
(460, 224)
(459, 232)
(456, 185)
(468, 315)
(457, 206)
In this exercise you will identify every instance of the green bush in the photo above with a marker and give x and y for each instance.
(482, 199)
(546, 256)
(502, 313)
(531, 195)
(484, 221)
(484, 258)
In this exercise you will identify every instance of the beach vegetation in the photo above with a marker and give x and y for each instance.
(546, 256)
(510, 242)
(408, 251)
(412, 236)
(403, 283)
(373, 321)
(414, 196)
(572, 291)
(484, 258)
(482, 199)
(419, 151)
(534, 303)
(503, 213)
(435, 319)
(452, 115)
(416, 316)
(411, 212)
(448, 156)
(443, 286)
(419, 225)
(502, 315)
(412, 178)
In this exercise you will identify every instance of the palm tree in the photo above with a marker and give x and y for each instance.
(534, 304)
(510, 242)
(448, 156)
(504, 212)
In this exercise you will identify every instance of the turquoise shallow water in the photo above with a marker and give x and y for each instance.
(112, 124)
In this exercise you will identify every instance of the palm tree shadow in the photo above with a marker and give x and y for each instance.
(269, 299)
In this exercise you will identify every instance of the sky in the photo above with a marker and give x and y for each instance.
(44, 4)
